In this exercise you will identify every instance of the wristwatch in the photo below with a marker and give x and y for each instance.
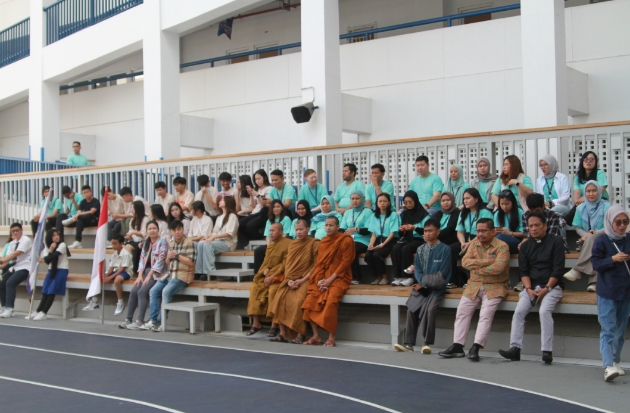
(517, 183)
(177, 257)
(548, 288)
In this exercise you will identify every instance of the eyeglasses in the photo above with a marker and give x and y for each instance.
(591, 159)
(621, 223)
(482, 231)
(543, 165)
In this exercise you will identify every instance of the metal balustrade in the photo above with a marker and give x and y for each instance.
(610, 141)
(66, 17)
(15, 43)
(20, 165)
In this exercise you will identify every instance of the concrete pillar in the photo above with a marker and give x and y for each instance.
(321, 70)
(161, 88)
(544, 63)
(43, 105)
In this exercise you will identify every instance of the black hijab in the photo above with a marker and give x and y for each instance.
(415, 215)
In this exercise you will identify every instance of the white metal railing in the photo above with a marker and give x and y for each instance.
(610, 141)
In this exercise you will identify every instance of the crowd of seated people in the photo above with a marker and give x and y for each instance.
(313, 241)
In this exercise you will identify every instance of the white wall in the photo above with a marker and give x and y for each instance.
(14, 131)
(13, 11)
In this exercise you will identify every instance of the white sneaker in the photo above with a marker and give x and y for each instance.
(40, 316)
(397, 281)
(610, 373)
(619, 369)
(7, 313)
(93, 305)
(124, 324)
(66, 222)
(591, 288)
(76, 245)
(407, 282)
(120, 307)
(33, 314)
(573, 275)
(426, 350)
(354, 282)
(148, 326)
(135, 325)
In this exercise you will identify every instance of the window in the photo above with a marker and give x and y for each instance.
(478, 18)
(362, 28)
(265, 55)
(237, 59)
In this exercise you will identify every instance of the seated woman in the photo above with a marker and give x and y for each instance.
(507, 221)
(484, 182)
(303, 211)
(56, 256)
(245, 202)
(224, 237)
(157, 212)
(250, 226)
(277, 213)
(456, 184)
(514, 179)
(327, 208)
(355, 222)
(137, 232)
(587, 171)
(152, 265)
(474, 208)
(554, 186)
(410, 231)
(175, 212)
(610, 260)
(384, 228)
(448, 217)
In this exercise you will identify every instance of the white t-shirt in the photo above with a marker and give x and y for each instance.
(123, 260)
(262, 192)
(23, 261)
(230, 227)
(199, 196)
(200, 227)
(62, 261)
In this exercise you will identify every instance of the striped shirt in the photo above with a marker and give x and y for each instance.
(178, 269)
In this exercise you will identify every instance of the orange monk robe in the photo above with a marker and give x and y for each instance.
(335, 256)
(287, 304)
(275, 259)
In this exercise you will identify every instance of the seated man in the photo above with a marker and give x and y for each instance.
(20, 253)
(287, 304)
(183, 196)
(162, 196)
(328, 283)
(128, 199)
(120, 266)
(115, 208)
(71, 201)
(180, 259)
(87, 216)
(431, 257)
(488, 260)
(268, 279)
(54, 208)
(208, 195)
(541, 264)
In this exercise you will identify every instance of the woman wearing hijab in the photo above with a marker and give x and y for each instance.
(610, 260)
(410, 231)
(554, 186)
(448, 217)
(303, 211)
(456, 184)
(355, 223)
(327, 207)
(589, 216)
(484, 181)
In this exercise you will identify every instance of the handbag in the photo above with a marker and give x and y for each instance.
(433, 281)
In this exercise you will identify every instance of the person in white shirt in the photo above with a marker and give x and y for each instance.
(251, 227)
(182, 195)
(120, 265)
(224, 237)
(201, 225)
(245, 202)
(157, 212)
(19, 252)
(56, 256)
(115, 209)
(208, 195)
(162, 196)
(176, 213)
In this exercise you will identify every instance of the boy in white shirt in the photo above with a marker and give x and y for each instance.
(19, 252)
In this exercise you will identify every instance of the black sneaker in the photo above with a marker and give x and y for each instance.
(547, 357)
(473, 353)
(454, 351)
(513, 354)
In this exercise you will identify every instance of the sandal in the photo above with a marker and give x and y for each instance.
(311, 342)
(279, 339)
(330, 343)
(297, 340)
(273, 332)
(253, 331)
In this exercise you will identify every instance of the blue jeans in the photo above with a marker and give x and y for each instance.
(512, 242)
(163, 292)
(206, 255)
(613, 318)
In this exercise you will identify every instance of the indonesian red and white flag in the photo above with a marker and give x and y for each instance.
(100, 247)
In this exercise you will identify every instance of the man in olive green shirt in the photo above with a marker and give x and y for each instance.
(76, 158)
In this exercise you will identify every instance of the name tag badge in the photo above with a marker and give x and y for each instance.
(437, 260)
(353, 235)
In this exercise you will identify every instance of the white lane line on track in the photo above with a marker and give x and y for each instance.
(106, 396)
(324, 358)
(214, 373)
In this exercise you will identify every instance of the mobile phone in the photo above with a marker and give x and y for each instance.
(534, 300)
(461, 254)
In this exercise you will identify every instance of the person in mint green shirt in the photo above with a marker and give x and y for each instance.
(281, 190)
(355, 223)
(427, 185)
(349, 184)
(588, 171)
(327, 210)
(76, 158)
(513, 178)
(54, 207)
(384, 227)
(71, 201)
(312, 192)
(507, 221)
(456, 184)
(378, 186)
(303, 211)
(277, 213)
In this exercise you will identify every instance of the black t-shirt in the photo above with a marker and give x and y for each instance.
(86, 206)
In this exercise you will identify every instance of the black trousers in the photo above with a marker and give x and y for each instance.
(250, 228)
(59, 225)
(375, 259)
(458, 277)
(113, 228)
(356, 268)
(50, 223)
(10, 280)
(84, 221)
(427, 324)
(402, 256)
(45, 303)
(259, 257)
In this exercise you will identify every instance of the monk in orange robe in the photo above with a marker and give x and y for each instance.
(330, 279)
(287, 304)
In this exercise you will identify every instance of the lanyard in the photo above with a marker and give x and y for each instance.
(550, 187)
(281, 193)
(382, 223)
(617, 248)
(311, 192)
(588, 216)
(354, 220)
(471, 222)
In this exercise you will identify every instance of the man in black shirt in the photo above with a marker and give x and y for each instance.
(87, 216)
(541, 265)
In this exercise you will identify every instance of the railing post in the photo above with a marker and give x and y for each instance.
(92, 12)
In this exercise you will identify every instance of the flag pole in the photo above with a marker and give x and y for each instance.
(30, 310)
(102, 299)
(36, 250)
